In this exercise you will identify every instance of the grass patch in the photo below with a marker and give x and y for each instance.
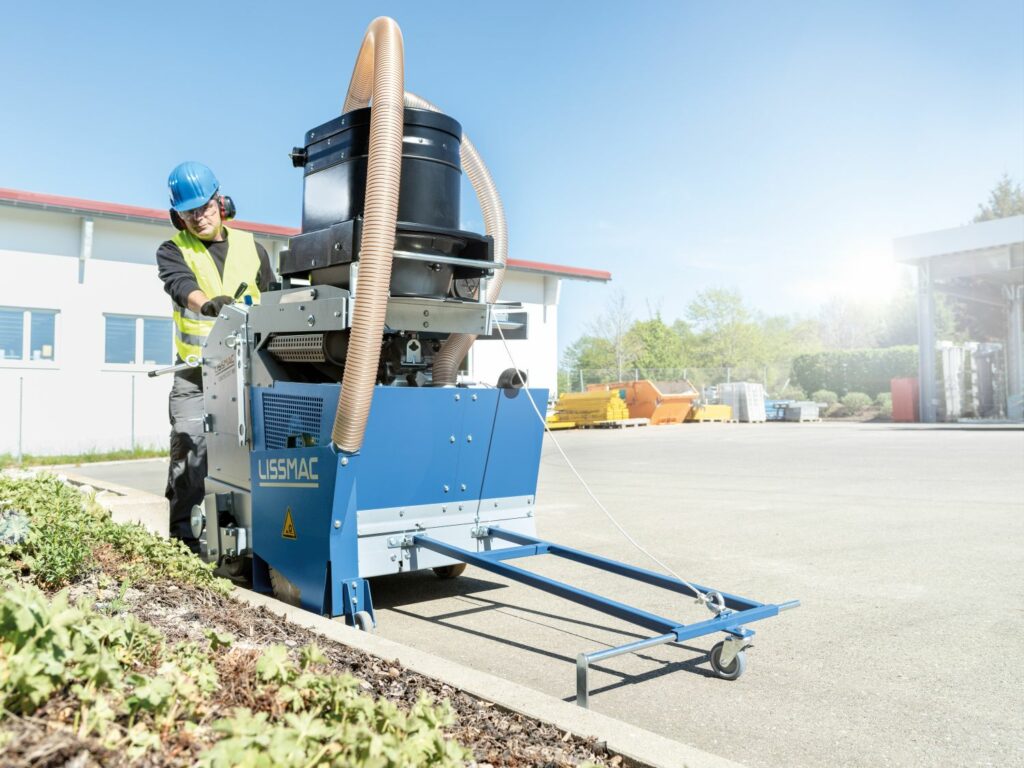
(8, 460)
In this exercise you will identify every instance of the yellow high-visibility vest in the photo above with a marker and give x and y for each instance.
(242, 265)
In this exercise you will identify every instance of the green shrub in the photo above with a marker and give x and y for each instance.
(855, 370)
(855, 401)
(826, 396)
(65, 527)
(884, 403)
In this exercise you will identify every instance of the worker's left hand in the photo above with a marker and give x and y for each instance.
(213, 307)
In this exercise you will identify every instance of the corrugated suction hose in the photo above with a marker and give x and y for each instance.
(448, 358)
(378, 77)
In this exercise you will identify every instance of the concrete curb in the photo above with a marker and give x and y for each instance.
(640, 747)
(126, 505)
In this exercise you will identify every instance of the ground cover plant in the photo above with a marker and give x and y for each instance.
(121, 648)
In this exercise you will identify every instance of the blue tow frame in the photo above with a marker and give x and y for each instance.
(737, 611)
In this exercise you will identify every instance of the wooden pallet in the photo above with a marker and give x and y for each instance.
(712, 421)
(553, 425)
(616, 424)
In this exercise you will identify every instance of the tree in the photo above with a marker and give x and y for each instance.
(1005, 199)
(726, 333)
(655, 345)
(847, 324)
(589, 352)
(613, 327)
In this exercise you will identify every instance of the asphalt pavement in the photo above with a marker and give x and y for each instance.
(903, 543)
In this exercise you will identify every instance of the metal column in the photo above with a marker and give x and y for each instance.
(1014, 349)
(926, 343)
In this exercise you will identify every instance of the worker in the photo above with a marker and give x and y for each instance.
(204, 267)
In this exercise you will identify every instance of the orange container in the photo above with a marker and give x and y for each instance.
(904, 399)
(646, 401)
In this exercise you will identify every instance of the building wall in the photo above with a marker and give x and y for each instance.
(538, 354)
(78, 402)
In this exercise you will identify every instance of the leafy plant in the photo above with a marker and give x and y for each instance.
(855, 401)
(825, 396)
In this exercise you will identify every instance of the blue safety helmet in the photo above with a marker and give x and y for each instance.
(192, 184)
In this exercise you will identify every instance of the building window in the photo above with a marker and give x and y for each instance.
(138, 340)
(27, 330)
(157, 340)
(514, 326)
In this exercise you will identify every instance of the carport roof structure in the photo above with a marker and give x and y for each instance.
(982, 263)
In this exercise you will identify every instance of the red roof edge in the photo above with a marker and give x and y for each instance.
(580, 273)
(78, 204)
(81, 205)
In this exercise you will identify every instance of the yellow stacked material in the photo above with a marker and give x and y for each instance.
(710, 413)
(591, 407)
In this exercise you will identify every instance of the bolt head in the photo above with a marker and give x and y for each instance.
(337, 523)
(344, 461)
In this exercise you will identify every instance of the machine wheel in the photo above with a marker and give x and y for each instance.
(364, 622)
(736, 668)
(449, 571)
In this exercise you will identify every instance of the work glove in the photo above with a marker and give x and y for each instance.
(213, 307)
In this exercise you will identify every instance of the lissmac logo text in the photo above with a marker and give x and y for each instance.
(288, 473)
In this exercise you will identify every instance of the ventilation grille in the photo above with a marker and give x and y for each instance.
(298, 348)
(291, 416)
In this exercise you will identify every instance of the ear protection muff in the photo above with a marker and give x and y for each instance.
(227, 208)
(227, 212)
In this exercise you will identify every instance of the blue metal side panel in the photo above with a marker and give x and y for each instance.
(412, 446)
(298, 482)
(514, 457)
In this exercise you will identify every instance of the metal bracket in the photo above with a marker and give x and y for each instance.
(241, 380)
(241, 541)
(400, 542)
(731, 647)
(480, 532)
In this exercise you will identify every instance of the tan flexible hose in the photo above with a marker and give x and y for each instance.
(378, 77)
(447, 360)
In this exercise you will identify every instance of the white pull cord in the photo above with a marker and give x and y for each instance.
(713, 600)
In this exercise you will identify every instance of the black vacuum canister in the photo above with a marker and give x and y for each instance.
(336, 157)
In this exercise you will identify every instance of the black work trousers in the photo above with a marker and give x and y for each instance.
(186, 475)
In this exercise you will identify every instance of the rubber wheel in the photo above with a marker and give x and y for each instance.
(731, 672)
(450, 571)
(364, 622)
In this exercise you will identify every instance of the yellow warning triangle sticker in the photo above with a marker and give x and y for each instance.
(288, 531)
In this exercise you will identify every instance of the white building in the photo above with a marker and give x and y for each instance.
(84, 318)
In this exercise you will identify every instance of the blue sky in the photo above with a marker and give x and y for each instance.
(772, 147)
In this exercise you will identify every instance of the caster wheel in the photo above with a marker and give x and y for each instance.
(364, 622)
(449, 571)
(734, 669)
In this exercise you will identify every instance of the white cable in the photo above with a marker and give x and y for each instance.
(703, 598)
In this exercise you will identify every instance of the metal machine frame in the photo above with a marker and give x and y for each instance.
(732, 611)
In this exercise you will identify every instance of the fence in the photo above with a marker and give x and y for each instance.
(775, 378)
(44, 412)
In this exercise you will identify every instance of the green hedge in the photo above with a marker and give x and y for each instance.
(855, 370)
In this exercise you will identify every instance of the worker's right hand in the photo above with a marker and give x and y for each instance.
(213, 307)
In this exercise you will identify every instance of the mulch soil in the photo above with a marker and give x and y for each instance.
(497, 737)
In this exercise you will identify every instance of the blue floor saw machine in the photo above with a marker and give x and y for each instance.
(343, 441)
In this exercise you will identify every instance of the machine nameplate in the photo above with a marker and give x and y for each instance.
(288, 472)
